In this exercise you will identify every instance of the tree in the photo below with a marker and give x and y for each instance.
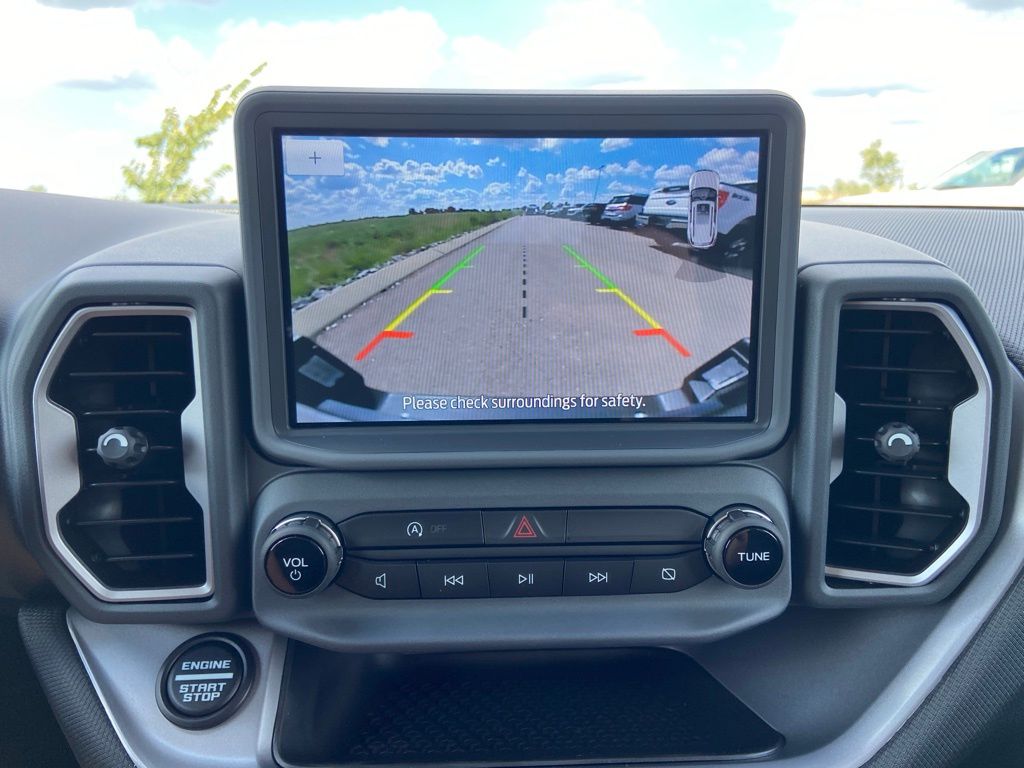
(880, 169)
(172, 150)
(35, 188)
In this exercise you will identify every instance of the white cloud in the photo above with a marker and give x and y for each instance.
(494, 161)
(575, 44)
(948, 110)
(632, 168)
(108, 45)
(731, 164)
(413, 171)
(496, 188)
(546, 145)
(378, 141)
(673, 174)
(617, 186)
(959, 109)
(610, 145)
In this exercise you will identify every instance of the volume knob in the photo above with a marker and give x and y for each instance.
(302, 554)
(744, 547)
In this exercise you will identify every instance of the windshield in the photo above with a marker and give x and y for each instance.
(995, 169)
(133, 99)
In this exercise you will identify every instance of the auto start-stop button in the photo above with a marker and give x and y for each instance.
(204, 681)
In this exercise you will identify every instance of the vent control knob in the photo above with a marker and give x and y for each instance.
(122, 447)
(897, 443)
(744, 547)
(302, 554)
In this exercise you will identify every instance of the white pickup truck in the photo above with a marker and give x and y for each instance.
(669, 207)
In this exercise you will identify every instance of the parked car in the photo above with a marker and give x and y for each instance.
(702, 227)
(666, 207)
(575, 211)
(737, 210)
(622, 210)
(531, 210)
(591, 212)
(989, 179)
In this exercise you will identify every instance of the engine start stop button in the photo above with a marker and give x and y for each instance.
(204, 680)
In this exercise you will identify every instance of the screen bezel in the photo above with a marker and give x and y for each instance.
(265, 114)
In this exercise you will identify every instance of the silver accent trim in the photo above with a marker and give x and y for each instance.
(970, 430)
(56, 439)
(122, 662)
(838, 438)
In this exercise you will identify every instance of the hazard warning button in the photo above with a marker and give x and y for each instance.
(528, 526)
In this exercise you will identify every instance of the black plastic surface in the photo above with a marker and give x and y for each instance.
(62, 675)
(510, 709)
(341, 620)
(984, 246)
(214, 292)
(824, 287)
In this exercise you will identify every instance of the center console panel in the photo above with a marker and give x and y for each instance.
(519, 708)
(432, 561)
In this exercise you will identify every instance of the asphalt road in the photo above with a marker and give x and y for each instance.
(543, 306)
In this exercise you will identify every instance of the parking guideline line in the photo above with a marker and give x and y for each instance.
(460, 266)
(390, 330)
(656, 329)
(593, 270)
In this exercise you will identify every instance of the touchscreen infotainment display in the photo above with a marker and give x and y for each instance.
(483, 278)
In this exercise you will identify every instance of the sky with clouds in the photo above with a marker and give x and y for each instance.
(936, 80)
(385, 176)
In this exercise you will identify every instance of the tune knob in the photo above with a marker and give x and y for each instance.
(302, 554)
(744, 547)
(122, 447)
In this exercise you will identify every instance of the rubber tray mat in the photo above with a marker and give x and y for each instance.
(536, 708)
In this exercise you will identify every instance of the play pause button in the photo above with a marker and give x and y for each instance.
(526, 579)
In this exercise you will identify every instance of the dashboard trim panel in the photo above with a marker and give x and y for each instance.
(969, 439)
(56, 459)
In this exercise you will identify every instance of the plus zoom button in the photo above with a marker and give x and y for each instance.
(378, 530)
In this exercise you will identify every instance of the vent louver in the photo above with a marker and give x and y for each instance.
(891, 522)
(137, 528)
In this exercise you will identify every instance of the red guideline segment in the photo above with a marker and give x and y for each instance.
(379, 338)
(667, 336)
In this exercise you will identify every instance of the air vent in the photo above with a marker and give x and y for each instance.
(907, 372)
(134, 532)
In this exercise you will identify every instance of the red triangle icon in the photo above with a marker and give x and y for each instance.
(524, 530)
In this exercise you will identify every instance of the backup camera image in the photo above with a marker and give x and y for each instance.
(482, 278)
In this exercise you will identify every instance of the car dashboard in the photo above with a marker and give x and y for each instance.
(845, 594)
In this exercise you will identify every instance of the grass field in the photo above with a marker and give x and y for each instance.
(327, 254)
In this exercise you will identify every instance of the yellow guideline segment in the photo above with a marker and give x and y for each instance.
(632, 305)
